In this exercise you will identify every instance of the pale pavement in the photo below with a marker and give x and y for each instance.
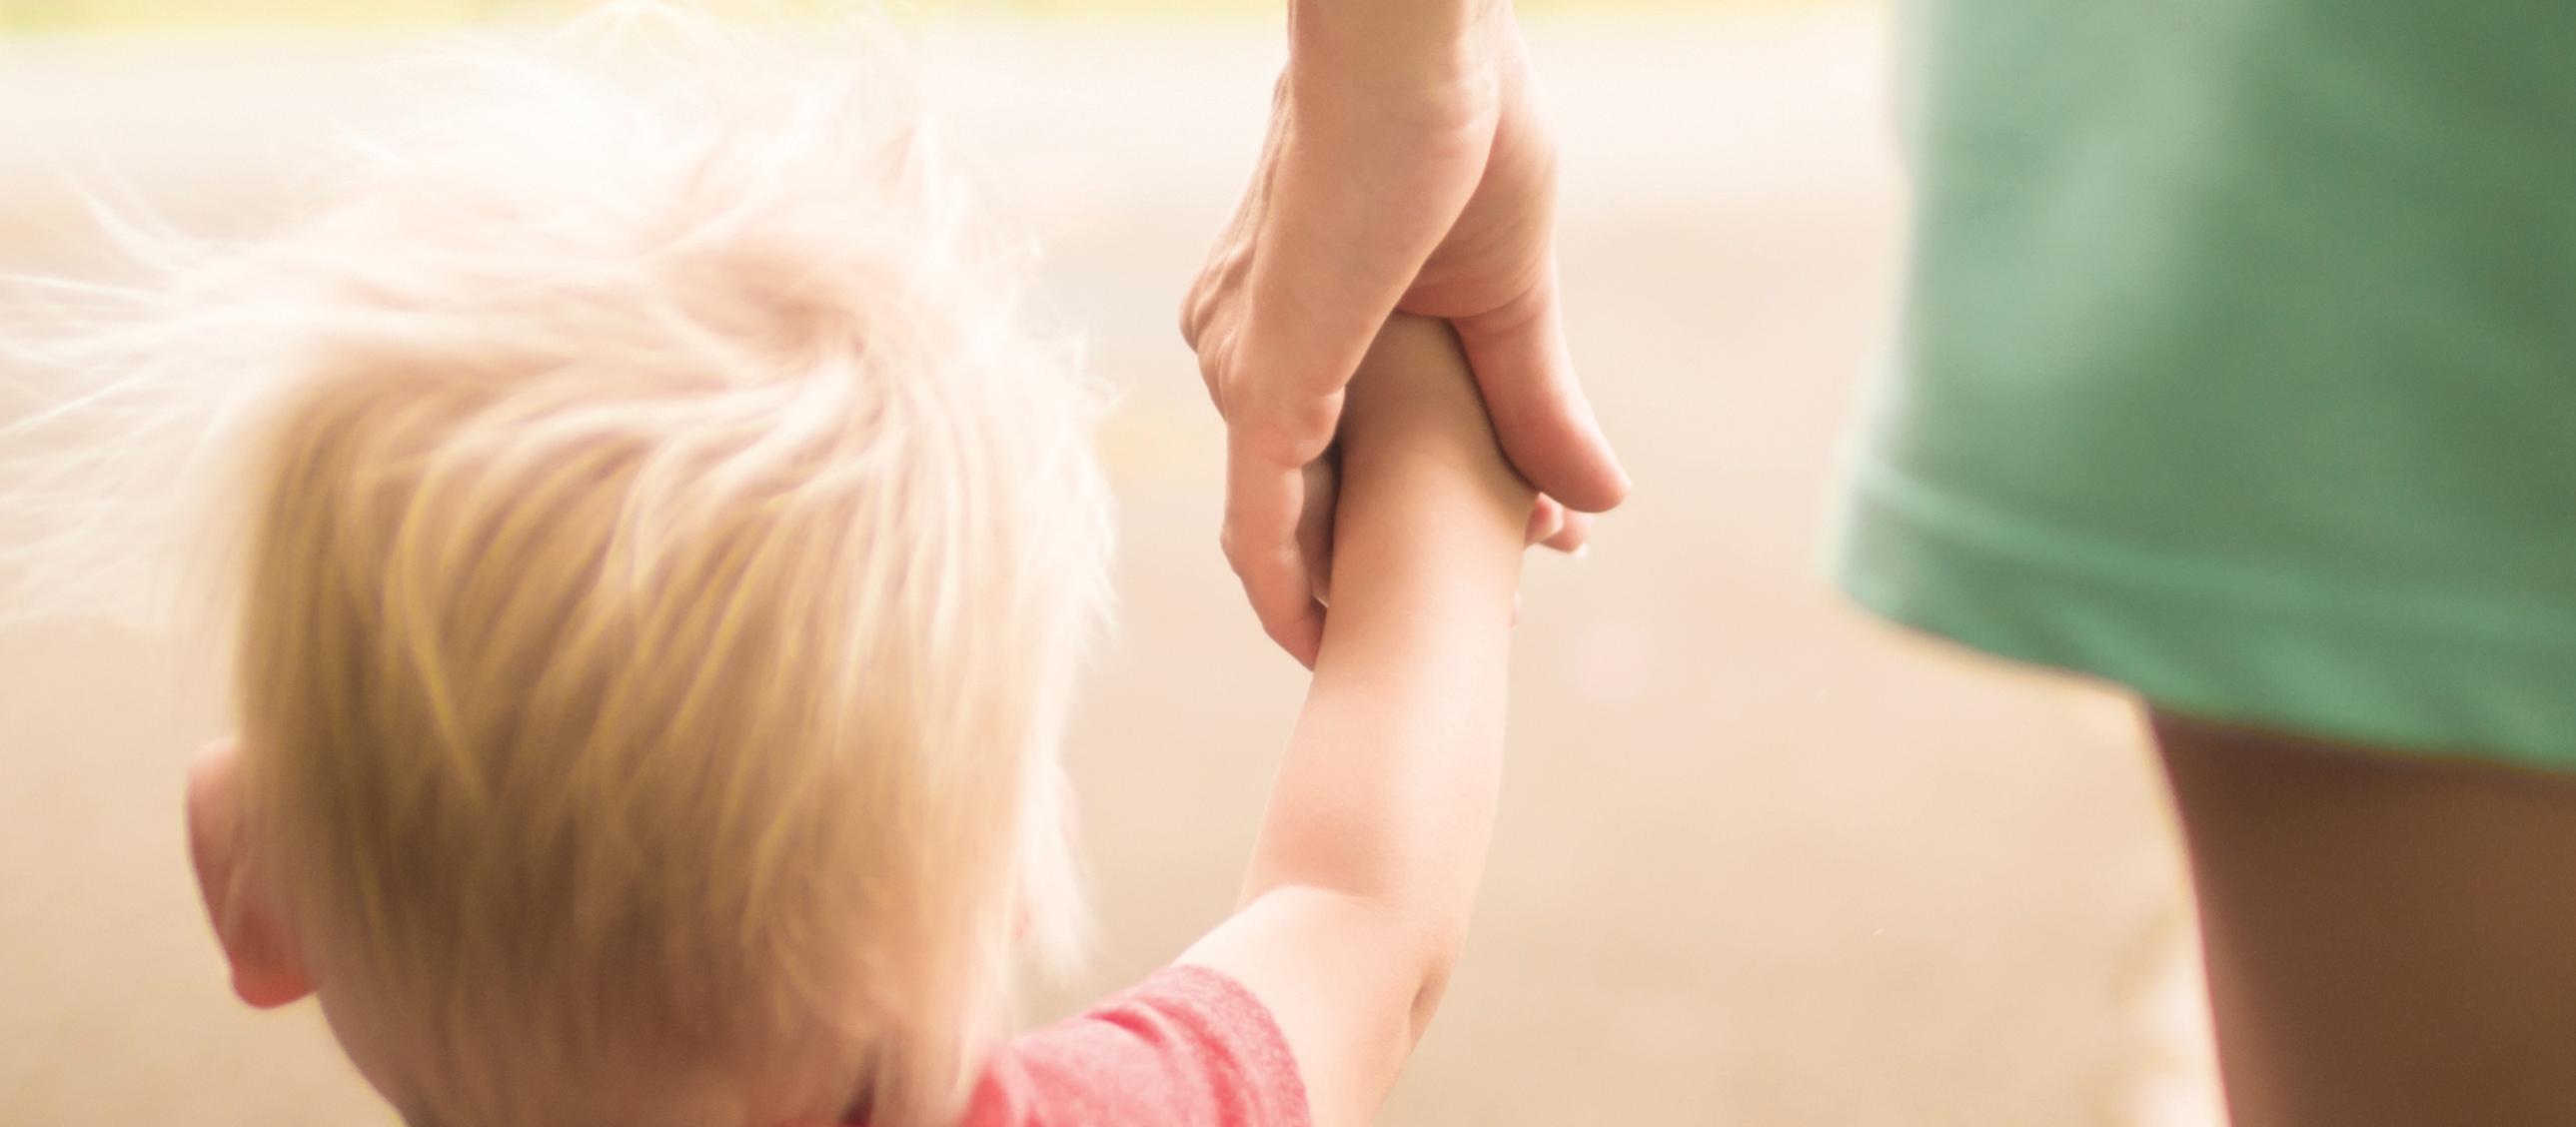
(1760, 862)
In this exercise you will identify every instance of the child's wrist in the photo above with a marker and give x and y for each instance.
(1416, 431)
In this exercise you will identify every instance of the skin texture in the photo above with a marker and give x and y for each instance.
(2390, 939)
(1406, 168)
(1368, 862)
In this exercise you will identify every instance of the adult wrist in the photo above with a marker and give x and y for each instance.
(1376, 51)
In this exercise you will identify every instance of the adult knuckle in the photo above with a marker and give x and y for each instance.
(1279, 440)
(1296, 430)
(1239, 553)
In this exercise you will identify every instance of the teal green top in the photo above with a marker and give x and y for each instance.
(2238, 360)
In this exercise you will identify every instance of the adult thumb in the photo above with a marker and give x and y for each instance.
(1546, 425)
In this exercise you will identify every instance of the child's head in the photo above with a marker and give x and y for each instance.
(665, 559)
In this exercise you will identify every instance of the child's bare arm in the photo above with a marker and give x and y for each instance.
(1367, 865)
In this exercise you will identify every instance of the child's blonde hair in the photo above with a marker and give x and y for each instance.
(666, 556)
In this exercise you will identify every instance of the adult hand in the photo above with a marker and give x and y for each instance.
(1405, 168)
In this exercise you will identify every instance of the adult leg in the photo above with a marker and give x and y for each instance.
(2390, 940)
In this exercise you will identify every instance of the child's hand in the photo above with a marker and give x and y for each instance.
(1419, 402)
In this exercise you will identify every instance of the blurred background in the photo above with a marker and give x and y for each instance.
(1760, 861)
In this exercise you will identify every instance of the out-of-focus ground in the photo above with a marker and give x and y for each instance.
(46, 15)
(1760, 862)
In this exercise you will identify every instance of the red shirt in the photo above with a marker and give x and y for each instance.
(1189, 1047)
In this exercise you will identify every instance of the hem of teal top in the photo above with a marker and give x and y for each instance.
(2425, 668)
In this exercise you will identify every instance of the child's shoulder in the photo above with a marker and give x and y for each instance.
(1187, 1047)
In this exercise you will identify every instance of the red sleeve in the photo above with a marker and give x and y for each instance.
(1189, 1047)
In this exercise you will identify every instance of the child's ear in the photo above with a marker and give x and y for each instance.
(267, 971)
